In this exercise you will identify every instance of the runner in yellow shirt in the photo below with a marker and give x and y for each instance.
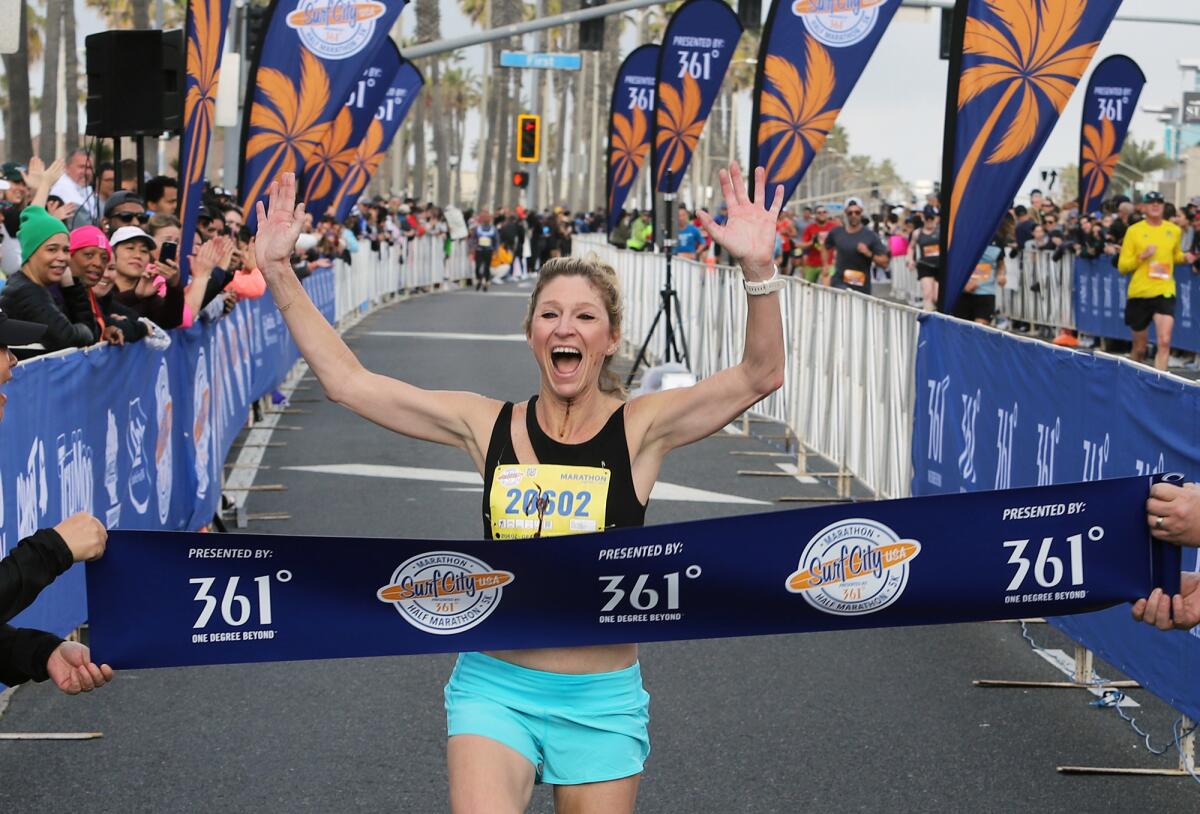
(1150, 252)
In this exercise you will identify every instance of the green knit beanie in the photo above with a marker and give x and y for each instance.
(37, 226)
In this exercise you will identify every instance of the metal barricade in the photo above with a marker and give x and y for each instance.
(905, 286)
(1039, 289)
(848, 391)
(370, 276)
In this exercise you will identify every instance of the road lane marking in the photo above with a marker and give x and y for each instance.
(450, 335)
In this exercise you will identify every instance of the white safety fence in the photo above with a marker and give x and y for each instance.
(420, 263)
(905, 286)
(848, 391)
(1039, 289)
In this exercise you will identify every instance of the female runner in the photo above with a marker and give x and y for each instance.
(572, 717)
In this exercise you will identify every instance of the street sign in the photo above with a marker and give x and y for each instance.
(554, 62)
(1191, 107)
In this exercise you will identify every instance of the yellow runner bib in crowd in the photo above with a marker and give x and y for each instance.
(547, 500)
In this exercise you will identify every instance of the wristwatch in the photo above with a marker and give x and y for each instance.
(755, 288)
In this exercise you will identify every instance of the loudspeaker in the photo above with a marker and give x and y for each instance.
(750, 14)
(135, 82)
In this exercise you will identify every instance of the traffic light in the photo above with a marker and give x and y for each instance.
(529, 138)
(591, 32)
(520, 180)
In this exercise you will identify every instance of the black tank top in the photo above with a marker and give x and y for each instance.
(608, 449)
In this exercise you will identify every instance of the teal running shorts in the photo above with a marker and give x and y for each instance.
(572, 728)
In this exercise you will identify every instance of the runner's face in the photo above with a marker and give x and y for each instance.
(822, 215)
(570, 319)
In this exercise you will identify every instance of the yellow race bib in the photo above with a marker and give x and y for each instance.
(547, 500)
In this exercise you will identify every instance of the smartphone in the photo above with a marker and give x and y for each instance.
(167, 252)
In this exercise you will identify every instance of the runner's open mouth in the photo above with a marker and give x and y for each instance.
(566, 360)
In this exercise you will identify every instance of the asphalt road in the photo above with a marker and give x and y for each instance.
(862, 721)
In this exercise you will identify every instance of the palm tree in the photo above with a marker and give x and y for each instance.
(460, 93)
(48, 110)
(71, 76)
(428, 30)
(18, 141)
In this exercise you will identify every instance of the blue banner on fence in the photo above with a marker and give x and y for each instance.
(312, 53)
(402, 91)
(696, 50)
(153, 600)
(629, 118)
(327, 167)
(206, 24)
(1099, 294)
(1108, 108)
(810, 59)
(1013, 66)
(995, 412)
(147, 454)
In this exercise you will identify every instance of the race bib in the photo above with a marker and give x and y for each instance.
(1160, 271)
(547, 500)
(485, 242)
(982, 273)
(854, 278)
(931, 250)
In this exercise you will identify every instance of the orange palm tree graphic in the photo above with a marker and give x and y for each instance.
(795, 109)
(679, 125)
(1100, 156)
(367, 158)
(629, 148)
(203, 68)
(331, 158)
(1027, 53)
(288, 124)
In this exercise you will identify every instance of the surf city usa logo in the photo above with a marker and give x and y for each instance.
(444, 592)
(838, 23)
(853, 567)
(335, 29)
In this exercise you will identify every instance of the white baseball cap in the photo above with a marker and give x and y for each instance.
(852, 201)
(127, 233)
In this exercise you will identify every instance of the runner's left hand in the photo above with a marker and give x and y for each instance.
(1164, 612)
(749, 233)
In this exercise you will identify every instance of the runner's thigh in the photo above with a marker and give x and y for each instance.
(609, 797)
(487, 776)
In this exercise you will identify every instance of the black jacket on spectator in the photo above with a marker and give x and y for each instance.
(116, 314)
(63, 310)
(166, 311)
(32, 565)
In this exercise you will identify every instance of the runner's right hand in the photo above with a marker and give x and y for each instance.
(84, 535)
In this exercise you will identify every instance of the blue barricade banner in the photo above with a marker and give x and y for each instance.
(1099, 293)
(327, 167)
(810, 57)
(1108, 108)
(629, 125)
(995, 412)
(401, 93)
(206, 24)
(147, 454)
(162, 600)
(312, 53)
(696, 50)
(1013, 66)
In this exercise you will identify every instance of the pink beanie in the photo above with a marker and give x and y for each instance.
(87, 236)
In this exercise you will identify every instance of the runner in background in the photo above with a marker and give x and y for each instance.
(924, 251)
(855, 248)
(977, 302)
(812, 242)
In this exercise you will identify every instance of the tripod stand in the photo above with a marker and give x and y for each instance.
(669, 301)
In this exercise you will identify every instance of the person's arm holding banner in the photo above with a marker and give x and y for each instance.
(1173, 514)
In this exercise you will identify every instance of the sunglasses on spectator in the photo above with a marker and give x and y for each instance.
(822, 212)
(853, 211)
(130, 217)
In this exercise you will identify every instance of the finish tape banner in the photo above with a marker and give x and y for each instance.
(173, 599)
(1099, 292)
(629, 125)
(696, 50)
(810, 58)
(1108, 108)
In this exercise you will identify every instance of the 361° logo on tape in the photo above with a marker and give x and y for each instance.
(445, 592)
(853, 567)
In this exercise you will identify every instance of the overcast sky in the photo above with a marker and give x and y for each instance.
(896, 111)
